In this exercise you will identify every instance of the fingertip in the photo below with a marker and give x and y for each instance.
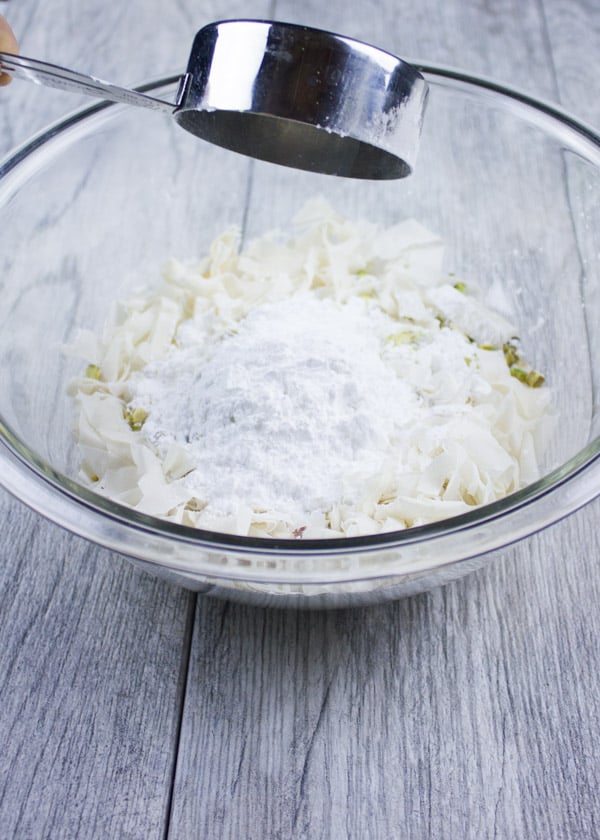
(8, 42)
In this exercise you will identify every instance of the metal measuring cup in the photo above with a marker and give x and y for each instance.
(283, 93)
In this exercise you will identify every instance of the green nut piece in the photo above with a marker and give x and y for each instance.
(136, 417)
(93, 372)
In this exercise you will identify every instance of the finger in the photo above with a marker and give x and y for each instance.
(8, 43)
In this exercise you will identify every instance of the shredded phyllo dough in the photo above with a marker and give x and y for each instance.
(332, 383)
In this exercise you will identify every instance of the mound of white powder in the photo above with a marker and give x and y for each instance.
(333, 384)
(295, 409)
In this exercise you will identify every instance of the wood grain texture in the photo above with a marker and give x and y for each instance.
(92, 664)
(470, 712)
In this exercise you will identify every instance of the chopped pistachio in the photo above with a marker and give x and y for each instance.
(511, 353)
(366, 295)
(531, 378)
(519, 374)
(362, 272)
(487, 347)
(93, 372)
(404, 337)
(460, 286)
(441, 320)
(535, 379)
(518, 366)
(136, 417)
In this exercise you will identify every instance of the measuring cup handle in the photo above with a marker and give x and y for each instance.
(51, 75)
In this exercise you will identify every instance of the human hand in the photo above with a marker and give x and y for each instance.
(8, 43)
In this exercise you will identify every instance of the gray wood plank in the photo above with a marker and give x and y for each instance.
(93, 656)
(471, 711)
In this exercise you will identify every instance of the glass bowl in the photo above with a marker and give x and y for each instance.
(97, 203)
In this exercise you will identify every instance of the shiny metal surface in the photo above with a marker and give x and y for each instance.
(283, 93)
(304, 98)
(60, 78)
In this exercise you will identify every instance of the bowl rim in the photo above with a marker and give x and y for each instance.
(30, 478)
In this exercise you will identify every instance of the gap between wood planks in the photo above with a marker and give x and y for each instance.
(190, 623)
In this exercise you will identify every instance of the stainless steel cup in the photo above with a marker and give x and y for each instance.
(283, 93)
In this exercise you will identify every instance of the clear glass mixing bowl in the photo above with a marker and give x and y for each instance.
(98, 202)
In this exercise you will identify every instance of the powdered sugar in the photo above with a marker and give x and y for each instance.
(295, 409)
(325, 385)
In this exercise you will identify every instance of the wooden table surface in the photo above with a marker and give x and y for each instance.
(132, 709)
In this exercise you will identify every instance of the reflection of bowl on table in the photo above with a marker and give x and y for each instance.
(93, 207)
